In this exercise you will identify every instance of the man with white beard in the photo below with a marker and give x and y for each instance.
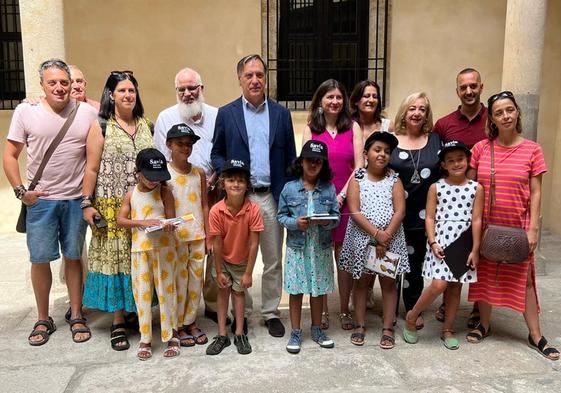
(192, 110)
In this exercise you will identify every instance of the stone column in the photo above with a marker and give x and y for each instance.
(42, 32)
(522, 66)
(522, 62)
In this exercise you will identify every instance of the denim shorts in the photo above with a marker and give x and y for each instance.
(50, 222)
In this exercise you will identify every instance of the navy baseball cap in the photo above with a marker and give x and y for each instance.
(180, 130)
(453, 145)
(383, 136)
(314, 149)
(235, 165)
(152, 164)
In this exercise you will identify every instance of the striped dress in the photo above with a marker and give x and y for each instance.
(504, 285)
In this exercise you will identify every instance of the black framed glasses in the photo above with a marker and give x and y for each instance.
(498, 96)
(191, 89)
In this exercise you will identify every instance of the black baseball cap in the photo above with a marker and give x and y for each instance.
(152, 164)
(180, 130)
(383, 136)
(453, 145)
(235, 165)
(314, 149)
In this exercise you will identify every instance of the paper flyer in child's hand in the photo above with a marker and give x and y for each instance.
(175, 221)
(322, 217)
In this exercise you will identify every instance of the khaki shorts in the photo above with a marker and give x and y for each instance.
(233, 271)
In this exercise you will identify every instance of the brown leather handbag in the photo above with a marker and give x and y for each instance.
(501, 243)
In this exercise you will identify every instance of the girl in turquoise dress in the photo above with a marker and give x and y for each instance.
(303, 205)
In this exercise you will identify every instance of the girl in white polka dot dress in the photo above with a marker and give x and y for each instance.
(188, 185)
(152, 254)
(453, 225)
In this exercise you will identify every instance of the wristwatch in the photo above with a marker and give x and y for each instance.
(20, 191)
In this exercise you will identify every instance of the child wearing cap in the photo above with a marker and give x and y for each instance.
(309, 257)
(152, 254)
(453, 224)
(234, 225)
(376, 200)
(188, 184)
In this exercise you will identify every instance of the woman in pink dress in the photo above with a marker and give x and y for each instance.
(329, 121)
(519, 166)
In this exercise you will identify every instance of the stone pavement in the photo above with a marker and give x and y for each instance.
(502, 363)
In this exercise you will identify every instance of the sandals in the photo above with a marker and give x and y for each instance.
(478, 334)
(173, 349)
(186, 340)
(473, 319)
(410, 336)
(144, 353)
(45, 334)
(450, 342)
(347, 322)
(357, 338)
(85, 329)
(119, 336)
(324, 325)
(541, 348)
(199, 337)
(387, 342)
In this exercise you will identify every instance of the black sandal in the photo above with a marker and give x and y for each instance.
(45, 334)
(119, 336)
(85, 329)
(357, 338)
(540, 347)
(473, 319)
(385, 337)
(478, 334)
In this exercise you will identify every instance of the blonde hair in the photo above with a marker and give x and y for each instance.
(402, 110)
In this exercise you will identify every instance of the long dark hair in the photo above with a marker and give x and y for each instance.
(316, 119)
(107, 104)
(356, 95)
(296, 170)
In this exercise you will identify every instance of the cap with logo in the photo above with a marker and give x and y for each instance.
(235, 165)
(453, 145)
(314, 149)
(180, 130)
(152, 164)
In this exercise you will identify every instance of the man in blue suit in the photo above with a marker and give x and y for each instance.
(259, 131)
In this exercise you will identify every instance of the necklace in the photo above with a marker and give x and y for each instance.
(332, 133)
(415, 178)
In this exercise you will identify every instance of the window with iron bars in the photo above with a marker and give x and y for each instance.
(309, 41)
(12, 80)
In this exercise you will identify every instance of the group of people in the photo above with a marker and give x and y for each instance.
(223, 183)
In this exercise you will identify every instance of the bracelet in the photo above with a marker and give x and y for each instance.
(343, 195)
(376, 233)
(20, 191)
(85, 203)
(432, 243)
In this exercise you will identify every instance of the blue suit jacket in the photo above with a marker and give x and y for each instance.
(231, 142)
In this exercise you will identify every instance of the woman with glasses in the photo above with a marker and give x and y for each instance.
(519, 166)
(110, 172)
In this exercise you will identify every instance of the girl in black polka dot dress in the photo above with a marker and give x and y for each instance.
(453, 225)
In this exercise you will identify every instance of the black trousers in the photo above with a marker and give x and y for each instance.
(413, 281)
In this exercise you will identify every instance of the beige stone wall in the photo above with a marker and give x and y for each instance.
(432, 40)
(549, 119)
(157, 38)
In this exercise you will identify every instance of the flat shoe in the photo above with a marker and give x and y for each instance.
(85, 329)
(450, 342)
(410, 337)
(119, 336)
(541, 348)
(478, 334)
(45, 334)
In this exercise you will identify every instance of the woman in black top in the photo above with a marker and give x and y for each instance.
(416, 161)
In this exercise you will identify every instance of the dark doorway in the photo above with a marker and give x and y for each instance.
(318, 40)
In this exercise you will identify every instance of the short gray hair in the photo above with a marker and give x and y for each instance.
(53, 63)
(246, 59)
(185, 70)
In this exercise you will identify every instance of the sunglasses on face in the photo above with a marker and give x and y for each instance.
(498, 96)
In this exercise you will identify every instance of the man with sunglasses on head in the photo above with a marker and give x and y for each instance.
(192, 110)
(465, 124)
(54, 215)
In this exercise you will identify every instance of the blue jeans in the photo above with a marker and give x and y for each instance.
(50, 222)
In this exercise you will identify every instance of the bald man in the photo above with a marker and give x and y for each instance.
(78, 88)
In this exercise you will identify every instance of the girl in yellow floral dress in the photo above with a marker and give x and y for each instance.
(188, 185)
(153, 253)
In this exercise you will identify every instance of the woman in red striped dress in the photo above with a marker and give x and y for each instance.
(519, 166)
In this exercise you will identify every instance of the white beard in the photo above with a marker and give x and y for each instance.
(188, 111)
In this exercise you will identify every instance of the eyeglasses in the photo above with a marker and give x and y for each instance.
(190, 88)
(498, 96)
(122, 72)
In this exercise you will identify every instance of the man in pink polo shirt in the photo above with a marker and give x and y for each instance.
(54, 217)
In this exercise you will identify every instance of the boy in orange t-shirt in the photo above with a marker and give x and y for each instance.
(234, 225)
